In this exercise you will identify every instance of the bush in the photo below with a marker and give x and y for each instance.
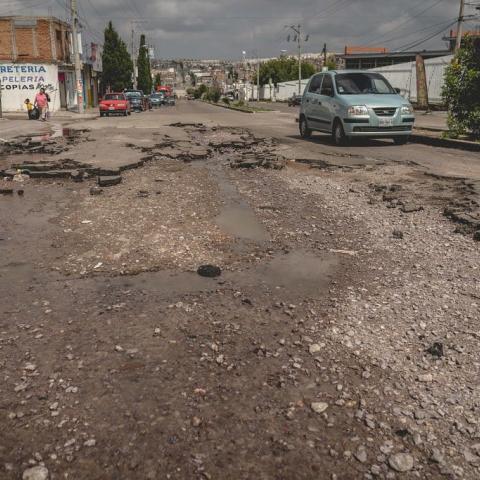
(461, 91)
(213, 94)
(200, 91)
(226, 100)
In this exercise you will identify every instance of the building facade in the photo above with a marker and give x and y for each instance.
(36, 52)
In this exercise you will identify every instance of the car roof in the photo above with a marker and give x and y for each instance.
(336, 72)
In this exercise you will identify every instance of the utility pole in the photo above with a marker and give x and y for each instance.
(298, 38)
(258, 81)
(458, 42)
(76, 54)
(134, 74)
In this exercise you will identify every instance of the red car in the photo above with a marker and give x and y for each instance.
(114, 103)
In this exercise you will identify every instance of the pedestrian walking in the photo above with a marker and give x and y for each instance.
(41, 102)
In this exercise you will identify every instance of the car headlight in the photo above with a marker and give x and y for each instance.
(357, 110)
(406, 110)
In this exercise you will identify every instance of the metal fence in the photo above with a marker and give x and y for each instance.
(404, 76)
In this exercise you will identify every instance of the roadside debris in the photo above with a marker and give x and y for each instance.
(210, 271)
(436, 350)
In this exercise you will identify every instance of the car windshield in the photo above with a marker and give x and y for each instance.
(114, 97)
(156, 95)
(362, 83)
(133, 94)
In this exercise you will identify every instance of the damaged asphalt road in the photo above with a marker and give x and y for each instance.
(335, 335)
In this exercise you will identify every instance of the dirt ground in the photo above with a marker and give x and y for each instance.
(339, 342)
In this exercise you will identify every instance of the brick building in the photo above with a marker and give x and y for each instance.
(36, 52)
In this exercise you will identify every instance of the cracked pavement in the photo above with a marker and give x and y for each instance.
(340, 340)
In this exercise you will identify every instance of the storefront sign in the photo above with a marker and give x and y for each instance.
(27, 77)
(20, 81)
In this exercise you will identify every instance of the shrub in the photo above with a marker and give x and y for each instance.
(461, 91)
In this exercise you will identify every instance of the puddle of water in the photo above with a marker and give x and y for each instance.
(241, 222)
(166, 282)
(297, 272)
(236, 217)
(293, 274)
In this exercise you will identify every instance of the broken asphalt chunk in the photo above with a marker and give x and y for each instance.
(109, 181)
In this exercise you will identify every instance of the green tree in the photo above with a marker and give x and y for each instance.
(117, 64)
(213, 94)
(284, 69)
(144, 79)
(461, 90)
(158, 80)
(200, 91)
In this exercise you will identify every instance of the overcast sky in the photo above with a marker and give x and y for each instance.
(224, 28)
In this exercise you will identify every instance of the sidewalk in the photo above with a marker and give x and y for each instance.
(430, 127)
(89, 114)
(434, 121)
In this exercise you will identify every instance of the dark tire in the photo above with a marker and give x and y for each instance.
(102, 114)
(338, 134)
(401, 140)
(125, 113)
(305, 132)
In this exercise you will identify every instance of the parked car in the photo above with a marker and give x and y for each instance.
(138, 101)
(114, 103)
(170, 101)
(295, 100)
(349, 104)
(157, 99)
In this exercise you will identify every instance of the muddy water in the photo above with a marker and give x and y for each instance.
(236, 217)
(296, 273)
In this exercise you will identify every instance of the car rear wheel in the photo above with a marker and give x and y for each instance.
(338, 134)
(125, 113)
(401, 140)
(305, 132)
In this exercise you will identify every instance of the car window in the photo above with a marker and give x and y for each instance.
(327, 86)
(362, 83)
(315, 84)
(133, 94)
(114, 97)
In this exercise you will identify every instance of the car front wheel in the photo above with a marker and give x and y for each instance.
(305, 132)
(338, 134)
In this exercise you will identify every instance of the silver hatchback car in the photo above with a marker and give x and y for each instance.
(355, 103)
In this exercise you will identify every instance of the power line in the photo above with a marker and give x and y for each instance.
(376, 39)
(403, 48)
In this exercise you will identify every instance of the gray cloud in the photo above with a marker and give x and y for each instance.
(223, 28)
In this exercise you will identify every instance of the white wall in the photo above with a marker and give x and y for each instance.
(404, 76)
(22, 81)
(283, 91)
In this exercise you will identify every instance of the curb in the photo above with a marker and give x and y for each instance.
(433, 141)
(235, 109)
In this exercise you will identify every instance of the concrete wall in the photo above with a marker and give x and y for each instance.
(282, 92)
(404, 76)
(23, 80)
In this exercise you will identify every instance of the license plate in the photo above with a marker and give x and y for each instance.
(386, 122)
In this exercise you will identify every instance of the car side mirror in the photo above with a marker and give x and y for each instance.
(398, 90)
